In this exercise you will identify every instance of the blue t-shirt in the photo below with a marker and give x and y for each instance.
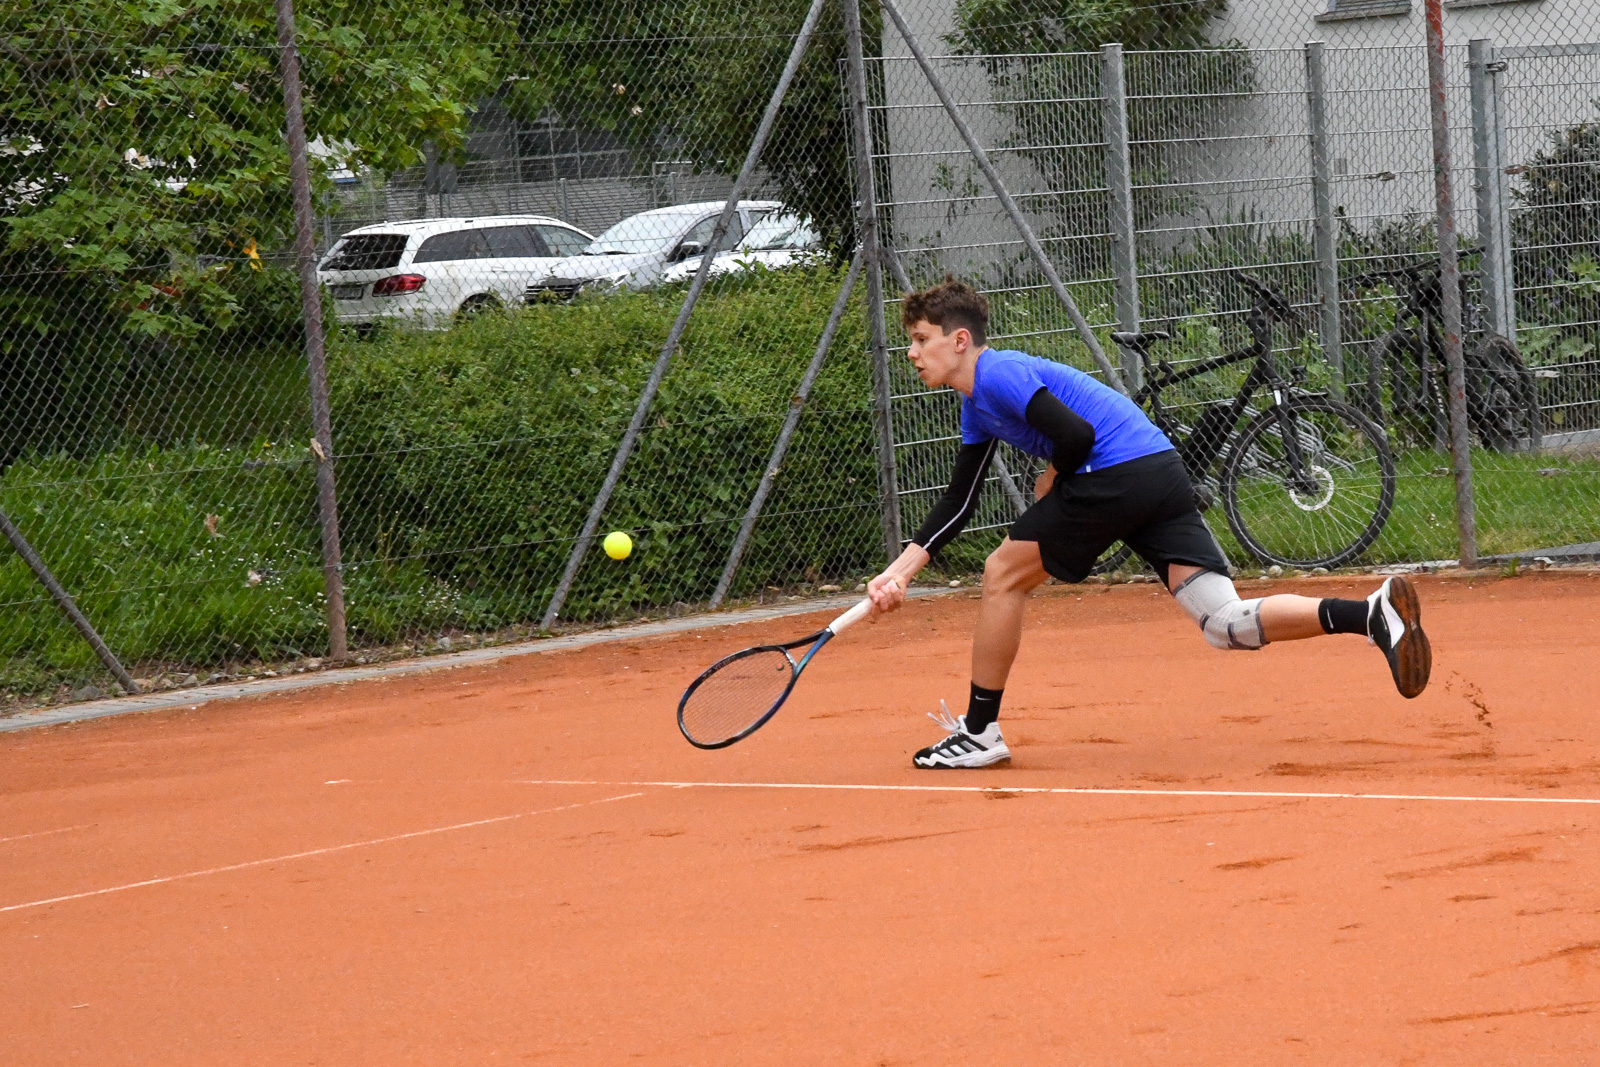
(1004, 382)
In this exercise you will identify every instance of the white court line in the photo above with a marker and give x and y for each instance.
(311, 852)
(47, 833)
(1241, 793)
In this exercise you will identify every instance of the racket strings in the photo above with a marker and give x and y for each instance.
(735, 696)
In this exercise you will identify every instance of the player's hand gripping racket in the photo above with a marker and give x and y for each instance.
(738, 694)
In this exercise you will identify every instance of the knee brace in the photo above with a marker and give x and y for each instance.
(1213, 603)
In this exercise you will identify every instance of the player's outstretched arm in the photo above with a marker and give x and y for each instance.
(947, 519)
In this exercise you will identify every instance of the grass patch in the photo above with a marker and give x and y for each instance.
(1523, 502)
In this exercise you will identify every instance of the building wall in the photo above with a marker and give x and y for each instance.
(1291, 23)
(1254, 161)
(934, 195)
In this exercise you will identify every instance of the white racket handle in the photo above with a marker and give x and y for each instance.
(855, 614)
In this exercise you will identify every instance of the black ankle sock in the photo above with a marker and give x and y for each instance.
(983, 708)
(1343, 616)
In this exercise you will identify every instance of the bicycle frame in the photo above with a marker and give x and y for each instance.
(1420, 313)
(1275, 468)
(1202, 447)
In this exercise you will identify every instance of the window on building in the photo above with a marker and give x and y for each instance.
(1363, 9)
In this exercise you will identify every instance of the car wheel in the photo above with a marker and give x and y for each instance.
(477, 305)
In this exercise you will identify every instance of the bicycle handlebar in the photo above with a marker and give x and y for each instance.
(1415, 271)
(1270, 301)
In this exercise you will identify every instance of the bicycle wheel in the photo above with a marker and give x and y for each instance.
(1113, 559)
(1417, 413)
(1347, 458)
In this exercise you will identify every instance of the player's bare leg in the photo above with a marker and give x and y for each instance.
(1284, 617)
(1011, 572)
(973, 740)
(1391, 618)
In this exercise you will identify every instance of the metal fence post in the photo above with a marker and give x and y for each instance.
(872, 263)
(1325, 226)
(1450, 289)
(981, 158)
(647, 396)
(65, 602)
(1489, 185)
(897, 269)
(1119, 180)
(311, 305)
(797, 405)
(1502, 186)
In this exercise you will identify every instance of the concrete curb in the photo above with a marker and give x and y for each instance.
(1588, 552)
(194, 698)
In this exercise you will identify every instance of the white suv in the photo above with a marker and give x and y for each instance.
(426, 273)
(635, 252)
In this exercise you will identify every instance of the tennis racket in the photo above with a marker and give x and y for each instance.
(738, 694)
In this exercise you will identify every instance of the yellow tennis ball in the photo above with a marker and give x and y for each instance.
(618, 545)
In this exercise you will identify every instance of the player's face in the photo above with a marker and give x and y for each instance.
(936, 354)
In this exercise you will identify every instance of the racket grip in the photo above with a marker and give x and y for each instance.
(854, 615)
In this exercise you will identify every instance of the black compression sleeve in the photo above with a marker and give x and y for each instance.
(1070, 432)
(953, 510)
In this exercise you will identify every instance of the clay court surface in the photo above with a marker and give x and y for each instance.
(525, 862)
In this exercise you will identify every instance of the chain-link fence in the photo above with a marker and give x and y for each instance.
(512, 207)
(510, 210)
(1163, 181)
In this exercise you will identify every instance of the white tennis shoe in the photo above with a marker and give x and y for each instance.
(1394, 624)
(961, 749)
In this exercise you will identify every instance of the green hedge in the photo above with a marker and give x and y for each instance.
(479, 451)
(158, 546)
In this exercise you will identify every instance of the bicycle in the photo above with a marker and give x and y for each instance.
(1307, 481)
(1502, 399)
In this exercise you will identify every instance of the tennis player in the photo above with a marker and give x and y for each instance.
(1122, 481)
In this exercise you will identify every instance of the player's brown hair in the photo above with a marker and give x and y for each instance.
(950, 305)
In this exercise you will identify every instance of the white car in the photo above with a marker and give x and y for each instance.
(428, 272)
(634, 253)
(781, 239)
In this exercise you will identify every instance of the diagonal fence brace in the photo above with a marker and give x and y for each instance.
(65, 602)
(629, 438)
(781, 448)
(1085, 333)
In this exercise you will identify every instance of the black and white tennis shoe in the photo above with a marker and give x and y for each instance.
(961, 749)
(1394, 624)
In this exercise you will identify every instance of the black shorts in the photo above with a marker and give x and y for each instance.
(1146, 503)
